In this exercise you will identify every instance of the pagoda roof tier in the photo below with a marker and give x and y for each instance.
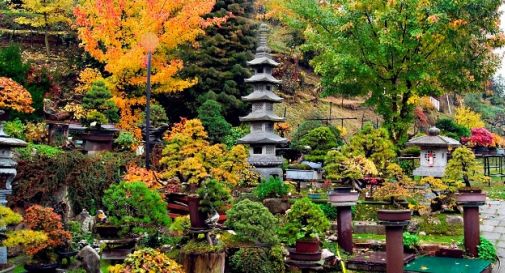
(265, 160)
(263, 77)
(262, 96)
(262, 138)
(261, 116)
(264, 60)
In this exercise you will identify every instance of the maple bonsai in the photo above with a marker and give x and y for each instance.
(481, 137)
(14, 96)
(44, 235)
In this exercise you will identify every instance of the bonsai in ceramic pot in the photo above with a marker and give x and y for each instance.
(45, 234)
(351, 171)
(306, 224)
(214, 199)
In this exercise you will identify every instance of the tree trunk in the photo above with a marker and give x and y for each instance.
(204, 263)
(46, 35)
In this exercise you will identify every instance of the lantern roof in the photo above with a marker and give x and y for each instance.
(433, 139)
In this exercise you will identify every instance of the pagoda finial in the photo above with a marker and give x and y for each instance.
(263, 39)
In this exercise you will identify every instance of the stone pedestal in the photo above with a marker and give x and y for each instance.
(394, 221)
(343, 199)
(471, 202)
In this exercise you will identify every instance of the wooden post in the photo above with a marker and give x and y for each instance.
(213, 262)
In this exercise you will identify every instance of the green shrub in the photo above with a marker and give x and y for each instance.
(487, 250)
(201, 247)
(411, 151)
(180, 225)
(210, 113)
(272, 188)
(214, 195)
(258, 260)
(329, 211)
(410, 240)
(125, 140)
(301, 131)
(98, 102)
(252, 222)
(31, 150)
(15, 128)
(234, 135)
(132, 205)
(451, 129)
(437, 225)
(158, 116)
(304, 220)
(12, 65)
(320, 140)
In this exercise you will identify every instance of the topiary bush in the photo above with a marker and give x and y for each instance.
(304, 220)
(133, 206)
(258, 260)
(252, 222)
(147, 260)
(272, 188)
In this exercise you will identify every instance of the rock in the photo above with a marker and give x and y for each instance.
(422, 233)
(413, 226)
(454, 220)
(276, 205)
(86, 220)
(89, 259)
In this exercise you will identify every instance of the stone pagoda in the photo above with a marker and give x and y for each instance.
(262, 140)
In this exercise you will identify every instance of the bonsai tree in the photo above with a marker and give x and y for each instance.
(274, 187)
(152, 259)
(252, 222)
(99, 105)
(305, 220)
(214, 196)
(463, 167)
(320, 140)
(349, 170)
(158, 116)
(45, 234)
(481, 137)
(14, 96)
(136, 208)
(258, 260)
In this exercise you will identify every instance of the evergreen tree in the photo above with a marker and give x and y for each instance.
(215, 124)
(219, 64)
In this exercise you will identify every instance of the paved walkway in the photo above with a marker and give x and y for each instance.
(493, 228)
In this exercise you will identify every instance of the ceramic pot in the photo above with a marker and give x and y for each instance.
(394, 215)
(307, 246)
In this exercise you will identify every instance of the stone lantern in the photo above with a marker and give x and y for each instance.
(7, 174)
(434, 151)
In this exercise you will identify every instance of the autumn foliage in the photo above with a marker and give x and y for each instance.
(114, 31)
(14, 96)
(38, 218)
(190, 157)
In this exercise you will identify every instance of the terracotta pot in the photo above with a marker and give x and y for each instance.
(196, 217)
(307, 246)
(394, 215)
(41, 268)
(470, 190)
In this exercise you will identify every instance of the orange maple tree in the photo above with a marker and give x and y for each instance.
(119, 33)
(14, 96)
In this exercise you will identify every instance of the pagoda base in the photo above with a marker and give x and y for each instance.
(266, 173)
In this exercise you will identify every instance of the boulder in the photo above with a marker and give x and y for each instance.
(89, 259)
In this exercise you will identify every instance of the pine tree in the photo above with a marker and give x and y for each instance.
(219, 63)
(215, 124)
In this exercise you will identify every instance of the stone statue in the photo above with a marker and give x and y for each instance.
(86, 220)
(89, 259)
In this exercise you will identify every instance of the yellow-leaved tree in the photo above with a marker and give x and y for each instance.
(44, 14)
(189, 156)
(115, 32)
(466, 117)
(14, 96)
